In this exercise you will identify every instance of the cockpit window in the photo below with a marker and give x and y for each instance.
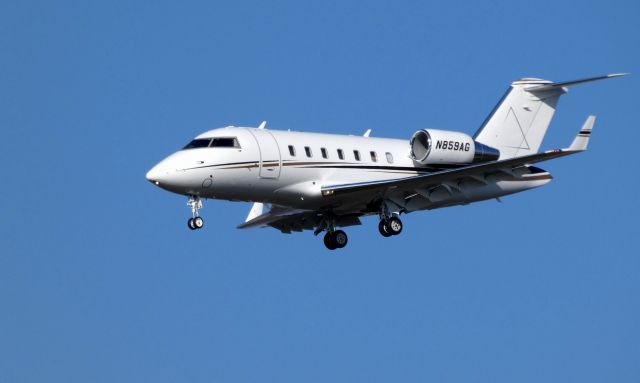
(198, 143)
(225, 142)
(216, 142)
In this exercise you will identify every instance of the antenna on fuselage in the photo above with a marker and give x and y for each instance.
(262, 125)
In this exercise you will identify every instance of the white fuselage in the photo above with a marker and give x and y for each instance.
(288, 168)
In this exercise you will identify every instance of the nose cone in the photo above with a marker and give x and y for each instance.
(155, 175)
(170, 174)
(165, 174)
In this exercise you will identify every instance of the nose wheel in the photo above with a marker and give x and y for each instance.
(195, 222)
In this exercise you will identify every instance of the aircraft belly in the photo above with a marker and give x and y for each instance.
(302, 188)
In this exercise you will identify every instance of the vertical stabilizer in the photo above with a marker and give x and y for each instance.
(518, 124)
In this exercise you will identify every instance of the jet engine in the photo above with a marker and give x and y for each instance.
(431, 146)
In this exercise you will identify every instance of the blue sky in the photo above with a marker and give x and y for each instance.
(101, 281)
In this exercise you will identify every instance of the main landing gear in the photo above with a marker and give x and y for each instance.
(335, 239)
(389, 224)
(389, 227)
(195, 222)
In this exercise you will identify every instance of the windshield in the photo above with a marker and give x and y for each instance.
(198, 143)
(216, 142)
(225, 142)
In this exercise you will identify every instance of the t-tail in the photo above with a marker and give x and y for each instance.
(517, 125)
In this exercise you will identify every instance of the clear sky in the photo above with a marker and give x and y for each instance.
(101, 281)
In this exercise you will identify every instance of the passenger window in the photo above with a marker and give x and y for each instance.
(340, 154)
(198, 143)
(356, 154)
(374, 156)
(389, 157)
(323, 151)
(307, 150)
(292, 151)
(224, 142)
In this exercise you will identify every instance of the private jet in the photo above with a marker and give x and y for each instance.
(312, 181)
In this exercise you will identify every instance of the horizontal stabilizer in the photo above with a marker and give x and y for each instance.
(556, 85)
(582, 138)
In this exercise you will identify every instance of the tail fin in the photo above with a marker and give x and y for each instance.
(518, 124)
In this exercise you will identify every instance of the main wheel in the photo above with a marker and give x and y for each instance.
(384, 230)
(340, 239)
(394, 225)
(191, 225)
(329, 242)
(198, 222)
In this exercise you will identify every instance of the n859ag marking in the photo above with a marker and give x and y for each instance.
(453, 145)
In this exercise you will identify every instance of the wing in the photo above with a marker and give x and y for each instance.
(288, 220)
(421, 181)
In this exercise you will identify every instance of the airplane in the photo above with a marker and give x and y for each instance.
(311, 181)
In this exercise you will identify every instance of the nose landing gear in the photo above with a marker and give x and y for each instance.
(195, 222)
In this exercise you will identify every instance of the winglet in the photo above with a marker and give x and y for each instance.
(262, 125)
(367, 133)
(582, 138)
(256, 210)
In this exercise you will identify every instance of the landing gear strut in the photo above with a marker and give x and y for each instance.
(195, 222)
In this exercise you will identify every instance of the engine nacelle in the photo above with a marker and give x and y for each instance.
(431, 146)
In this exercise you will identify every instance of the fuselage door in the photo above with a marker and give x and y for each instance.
(270, 161)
